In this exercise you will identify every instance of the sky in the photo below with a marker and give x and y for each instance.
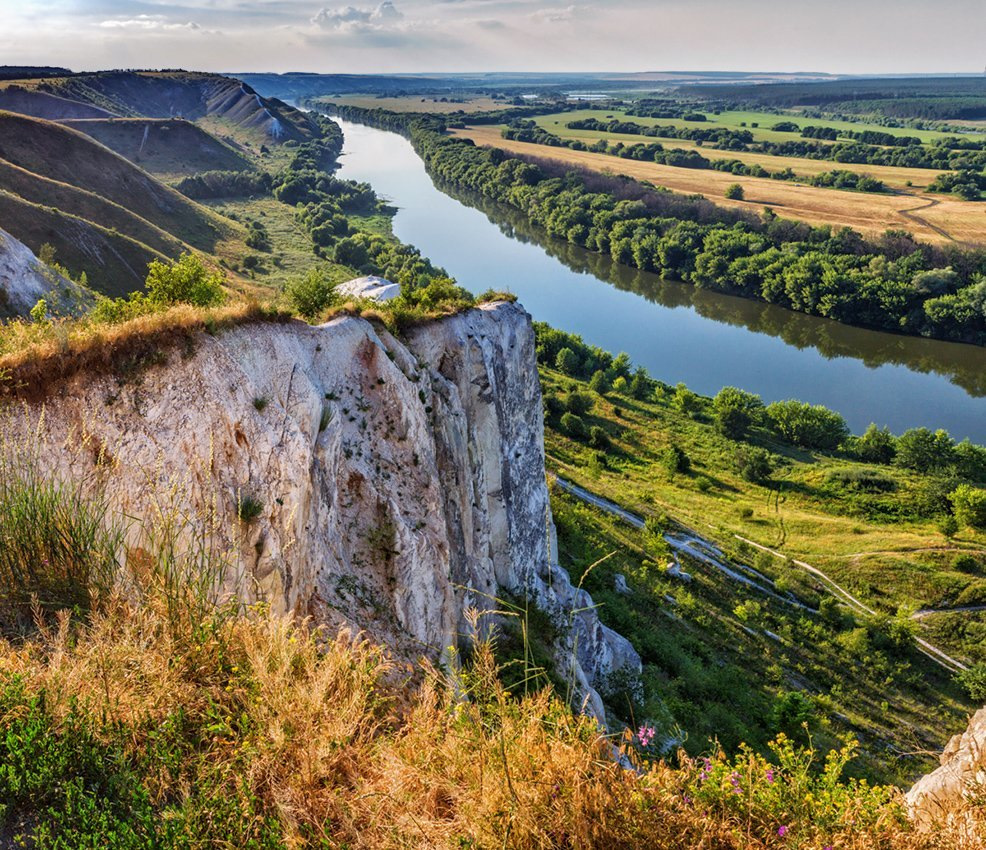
(395, 36)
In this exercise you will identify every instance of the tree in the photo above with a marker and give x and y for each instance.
(573, 425)
(599, 382)
(754, 464)
(810, 426)
(579, 403)
(969, 504)
(735, 410)
(734, 192)
(567, 361)
(685, 400)
(311, 294)
(185, 281)
(877, 445)
(923, 451)
(675, 460)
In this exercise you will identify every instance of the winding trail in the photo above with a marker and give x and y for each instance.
(908, 213)
(695, 546)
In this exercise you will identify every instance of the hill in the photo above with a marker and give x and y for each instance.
(49, 172)
(131, 94)
(166, 146)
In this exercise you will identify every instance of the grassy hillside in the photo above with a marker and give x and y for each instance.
(165, 147)
(55, 168)
(726, 660)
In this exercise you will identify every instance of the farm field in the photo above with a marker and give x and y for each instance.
(895, 177)
(744, 120)
(417, 103)
(928, 217)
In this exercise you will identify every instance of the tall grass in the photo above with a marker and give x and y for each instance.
(58, 544)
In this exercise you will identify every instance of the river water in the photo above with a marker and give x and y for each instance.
(678, 332)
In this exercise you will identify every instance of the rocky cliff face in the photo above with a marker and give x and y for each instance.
(945, 794)
(24, 280)
(400, 483)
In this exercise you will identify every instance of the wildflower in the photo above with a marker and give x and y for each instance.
(782, 831)
(645, 734)
(770, 775)
(734, 779)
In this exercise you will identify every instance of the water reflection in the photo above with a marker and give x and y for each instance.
(963, 365)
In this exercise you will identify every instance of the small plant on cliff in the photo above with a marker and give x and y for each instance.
(260, 403)
(248, 507)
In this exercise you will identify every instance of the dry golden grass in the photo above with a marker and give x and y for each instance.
(34, 357)
(928, 217)
(348, 755)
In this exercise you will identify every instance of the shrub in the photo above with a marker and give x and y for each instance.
(923, 451)
(573, 425)
(579, 403)
(599, 382)
(675, 460)
(948, 525)
(877, 445)
(735, 410)
(969, 504)
(973, 681)
(598, 438)
(734, 192)
(311, 294)
(185, 281)
(754, 464)
(685, 400)
(810, 426)
(248, 508)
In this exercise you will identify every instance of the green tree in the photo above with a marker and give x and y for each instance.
(925, 451)
(567, 361)
(675, 460)
(573, 425)
(599, 382)
(754, 464)
(735, 410)
(311, 293)
(185, 281)
(969, 504)
(685, 400)
(810, 426)
(877, 445)
(734, 192)
(579, 403)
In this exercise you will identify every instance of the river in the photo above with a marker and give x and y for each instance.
(678, 332)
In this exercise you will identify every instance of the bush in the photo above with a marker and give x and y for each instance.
(810, 426)
(877, 445)
(599, 382)
(923, 451)
(312, 294)
(567, 361)
(598, 438)
(573, 425)
(969, 504)
(685, 400)
(675, 460)
(734, 192)
(735, 410)
(754, 464)
(578, 403)
(185, 281)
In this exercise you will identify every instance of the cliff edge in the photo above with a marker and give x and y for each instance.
(394, 484)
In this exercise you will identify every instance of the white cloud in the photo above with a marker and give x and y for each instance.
(555, 16)
(352, 16)
(146, 23)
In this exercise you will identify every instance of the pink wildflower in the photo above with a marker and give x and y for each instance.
(782, 831)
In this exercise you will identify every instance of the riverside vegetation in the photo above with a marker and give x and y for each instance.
(892, 283)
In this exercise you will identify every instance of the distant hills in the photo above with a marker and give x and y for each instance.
(84, 160)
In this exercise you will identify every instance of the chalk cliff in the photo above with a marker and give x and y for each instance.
(399, 482)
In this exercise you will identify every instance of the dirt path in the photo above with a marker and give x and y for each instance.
(694, 545)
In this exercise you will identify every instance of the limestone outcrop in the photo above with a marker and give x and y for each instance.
(945, 794)
(24, 280)
(397, 484)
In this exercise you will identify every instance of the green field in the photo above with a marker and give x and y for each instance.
(730, 120)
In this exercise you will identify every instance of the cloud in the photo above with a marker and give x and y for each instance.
(555, 16)
(353, 17)
(146, 23)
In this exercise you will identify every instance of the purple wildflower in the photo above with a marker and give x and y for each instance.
(782, 831)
